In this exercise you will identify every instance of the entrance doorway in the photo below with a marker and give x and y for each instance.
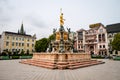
(91, 49)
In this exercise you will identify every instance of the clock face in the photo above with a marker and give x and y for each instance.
(101, 30)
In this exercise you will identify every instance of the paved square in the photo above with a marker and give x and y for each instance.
(13, 70)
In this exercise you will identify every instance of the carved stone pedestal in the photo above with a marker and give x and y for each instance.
(61, 61)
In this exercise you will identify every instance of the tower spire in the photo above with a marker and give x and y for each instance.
(22, 29)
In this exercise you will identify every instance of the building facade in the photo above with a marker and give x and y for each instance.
(94, 40)
(112, 30)
(80, 40)
(17, 42)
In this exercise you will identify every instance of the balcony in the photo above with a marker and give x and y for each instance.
(90, 38)
(90, 34)
(91, 42)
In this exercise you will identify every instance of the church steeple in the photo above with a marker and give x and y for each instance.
(21, 31)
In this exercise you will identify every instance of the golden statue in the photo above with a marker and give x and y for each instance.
(61, 18)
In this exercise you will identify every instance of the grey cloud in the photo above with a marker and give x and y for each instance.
(36, 21)
(6, 11)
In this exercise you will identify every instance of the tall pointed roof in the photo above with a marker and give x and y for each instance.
(21, 31)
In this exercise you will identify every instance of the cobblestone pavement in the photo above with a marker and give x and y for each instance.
(13, 70)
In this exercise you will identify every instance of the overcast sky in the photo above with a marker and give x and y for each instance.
(41, 16)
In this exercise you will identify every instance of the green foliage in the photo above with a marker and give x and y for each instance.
(15, 57)
(4, 57)
(117, 58)
(26, 57)
(51, 38)
(116, 42)
(41, 45)
(97, 56)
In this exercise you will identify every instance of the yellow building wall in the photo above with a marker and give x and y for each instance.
(25, 47)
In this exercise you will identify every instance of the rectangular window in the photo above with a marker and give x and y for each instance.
(7, 43)
(19, 44)
(81, 46)
(16, 38)
(13, 50)
(28, 39)
(13, 38)
(32, 45)
(100, 46)
(22, 39)
(33, 40)
(12, 43)
(27, 45)
(19, 38)
(16, 44)
(22, 44)
(32, 50)
(7, 37)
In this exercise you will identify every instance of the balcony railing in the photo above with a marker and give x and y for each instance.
(90, 42)
(90, 34)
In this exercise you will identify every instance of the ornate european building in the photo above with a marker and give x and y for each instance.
(94, 40)
(20, 41)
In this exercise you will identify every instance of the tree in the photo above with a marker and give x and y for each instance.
(51, 38)
(41, 45)
(116, 42)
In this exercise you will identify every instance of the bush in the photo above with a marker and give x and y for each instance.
(97, 56)
(26, 54)
(15, 57)
(116, 58)
(26, 57)
(4, 57)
